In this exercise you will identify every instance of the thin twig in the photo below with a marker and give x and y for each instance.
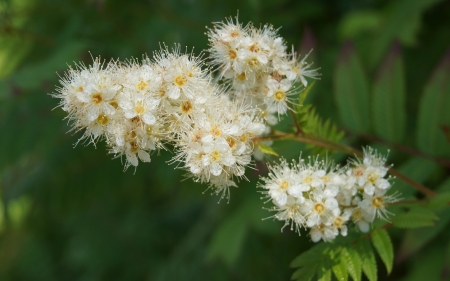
(403, 148)
(297, 125)
(318, 141)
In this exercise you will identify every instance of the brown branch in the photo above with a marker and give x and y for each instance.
(297, 125)
(403, 148)
(318, 141)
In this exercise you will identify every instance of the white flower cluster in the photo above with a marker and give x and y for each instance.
(255, 63)
(325, 198)
(138, 107)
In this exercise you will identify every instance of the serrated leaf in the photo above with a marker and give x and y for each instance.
(351, 90)
(267, 149)
(312, 256)
(304, 94)
(324, 272)
(416, 239)
(339, 270)
(382, 243)
(388, 107)
(402, 20)
(304, 273)
(433, 111)
(352, 261)
(441, 200)
(368, 262)
(415, 218)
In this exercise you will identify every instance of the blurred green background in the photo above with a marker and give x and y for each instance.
(72, 213)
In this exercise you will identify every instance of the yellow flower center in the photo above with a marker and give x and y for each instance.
(231, 142)
(280, 95)
(134, 146)
(216, 132)
(255, 48)
(284, 185)
(308, 180)
(232, 54)
(338, 222)
(186, 107)
(102, 119)
(241, 77)
(97, 98)
(372, 177)
(139, 109)
(180, 80)
(141, 85)
(252, 61)
(215, 155)
(378, 202)
(319, 208)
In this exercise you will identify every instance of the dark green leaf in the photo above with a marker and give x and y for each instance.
(434, 113)
(368, 262)
(382, 243)
(228, 239)
(304, 273)
(351, 90)
(388, 108)
(415, 218)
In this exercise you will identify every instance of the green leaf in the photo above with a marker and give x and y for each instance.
(358, 22)
(339, 269)
(382, 243)
(401, 22)
(417, 169)
(351, 90)
(434, 113)
(416, 239)
(441, 200)
(302, 96)
(388, 107)
(415, 218)
(352, 261)
(324, 272)
(312, 256)
(304, 273)
(267, 149)
(368, 262)
(228, 239)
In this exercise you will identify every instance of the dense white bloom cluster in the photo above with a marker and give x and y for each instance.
(255, 63)
(138, 107)
(325, 198)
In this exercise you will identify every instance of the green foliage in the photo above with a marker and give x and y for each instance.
(351, 90)
(388, 107)
(417, 169)
(434, 113)
(72, 214)
(310, 122)
(267, 150)
(344, 257)
(402, 22)
(382, 243)
(416, 217)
